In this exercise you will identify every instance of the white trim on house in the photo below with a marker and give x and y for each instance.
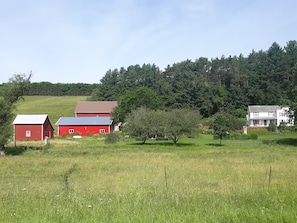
(264, 115)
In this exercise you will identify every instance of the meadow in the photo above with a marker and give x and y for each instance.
(86, 180)
(54, 106)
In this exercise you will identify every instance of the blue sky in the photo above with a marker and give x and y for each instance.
(77, 41)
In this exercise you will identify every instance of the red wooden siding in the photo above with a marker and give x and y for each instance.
(35, 132)
(48, 129)
(83, 130)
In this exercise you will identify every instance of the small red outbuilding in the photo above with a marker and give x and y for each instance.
(32, 127)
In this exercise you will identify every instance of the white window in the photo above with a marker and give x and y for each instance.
(28, 133)
(256, 114)
(102, 131)
(71, 131)
(270, 114)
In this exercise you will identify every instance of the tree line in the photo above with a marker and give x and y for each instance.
(228, 84)
(225, 84)
(55, 89)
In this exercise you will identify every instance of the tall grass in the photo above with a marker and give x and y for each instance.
(87, 180)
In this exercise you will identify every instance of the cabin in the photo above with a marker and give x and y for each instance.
(264, 115)
(84, 126)
(32, 127)
(95, 108)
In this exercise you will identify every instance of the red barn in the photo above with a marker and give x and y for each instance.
(32, 127)
(84, 125)
(94, 108)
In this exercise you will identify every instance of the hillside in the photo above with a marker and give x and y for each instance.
(54, 106)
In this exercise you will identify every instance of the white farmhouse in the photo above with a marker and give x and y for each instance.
(263, 115)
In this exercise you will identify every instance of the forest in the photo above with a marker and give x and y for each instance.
(229, 84)
(226, 84)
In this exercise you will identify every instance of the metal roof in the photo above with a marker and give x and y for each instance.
(84, 121)
(95, 106)
(263, 108)
(30, 119)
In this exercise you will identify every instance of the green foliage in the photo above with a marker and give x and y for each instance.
(55, 89)
(146, 123)
(222, 125)
(139, 123)
(253, 136)
(13, 92)
(272, 127)
(112, 138)
(282, 127)
(263, 77)
(133, 99)
(180, 122)
(6, 116)
(239, 113)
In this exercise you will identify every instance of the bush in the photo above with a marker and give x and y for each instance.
(254, 136)
(271, 127)
(112, 138)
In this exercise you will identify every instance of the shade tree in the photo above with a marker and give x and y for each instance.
(14, 91)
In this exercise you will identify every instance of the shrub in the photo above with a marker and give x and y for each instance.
(271, 127)
(254, 136)
(112, 138)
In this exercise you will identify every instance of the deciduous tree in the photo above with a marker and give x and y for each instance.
(13, 92)
(180, 122)
(222, 125)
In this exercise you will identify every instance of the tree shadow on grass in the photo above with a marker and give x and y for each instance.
(214, 144)
(14, 151)
(163, 143)
(287, 141)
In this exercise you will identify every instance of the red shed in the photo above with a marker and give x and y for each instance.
(84, 125)
(94, 108)
(32, 127)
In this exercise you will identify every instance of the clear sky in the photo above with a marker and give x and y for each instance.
(77, 41)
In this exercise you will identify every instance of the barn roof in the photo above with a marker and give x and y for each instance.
(84, 121)
(30, 119)
(263, 108)
(95, 106)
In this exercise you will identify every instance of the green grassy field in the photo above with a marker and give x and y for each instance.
(197, 181)
(86, 180)
(55, 107)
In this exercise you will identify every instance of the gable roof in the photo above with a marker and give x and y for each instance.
(30, 119)
(84, 121)
(263, 108)
(95, 106)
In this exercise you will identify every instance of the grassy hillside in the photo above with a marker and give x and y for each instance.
(55, 107)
